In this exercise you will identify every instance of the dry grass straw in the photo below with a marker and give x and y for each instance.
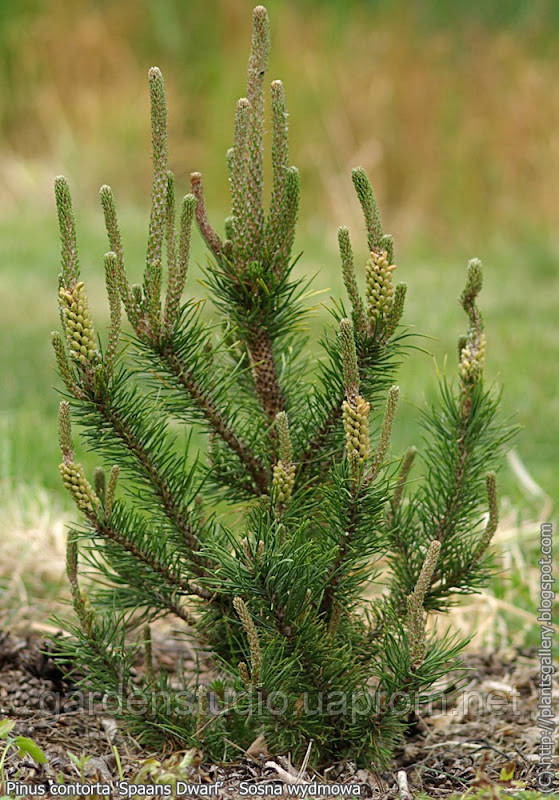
(32, 557)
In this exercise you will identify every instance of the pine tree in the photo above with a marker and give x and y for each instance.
(298, 447)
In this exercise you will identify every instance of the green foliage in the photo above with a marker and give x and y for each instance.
(23, 744)
(314, 594)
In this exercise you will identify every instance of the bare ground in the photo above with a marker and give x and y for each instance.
(486, 735)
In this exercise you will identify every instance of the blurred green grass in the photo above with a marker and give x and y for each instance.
(451, 107)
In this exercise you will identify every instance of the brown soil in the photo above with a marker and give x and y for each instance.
(487, 732)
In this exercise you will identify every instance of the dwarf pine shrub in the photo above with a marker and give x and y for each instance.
(295, 549)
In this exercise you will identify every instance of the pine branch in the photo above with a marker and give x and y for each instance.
(239, 187)
(257, 66)
(369, 207)
(105, 530)
(171, 361)
(207, 406)
(328, 601)
(255, 260)
(348, 272)
(385, 435)
(453, 580)
(170, 233)
(75, 481)
(126, 434)
(284, 469)
(377, 363)
(176, 278)
(104, 409)
(287, 225)
(113, 293)
(162, 347)
(115, 243)
(405, 467)
(471, 365)
(67, 226)
(375, 327)
(210, 236)
(152, 275)
(265, 374)
(280, 164)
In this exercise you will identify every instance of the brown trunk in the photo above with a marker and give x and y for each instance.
(265, 375)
